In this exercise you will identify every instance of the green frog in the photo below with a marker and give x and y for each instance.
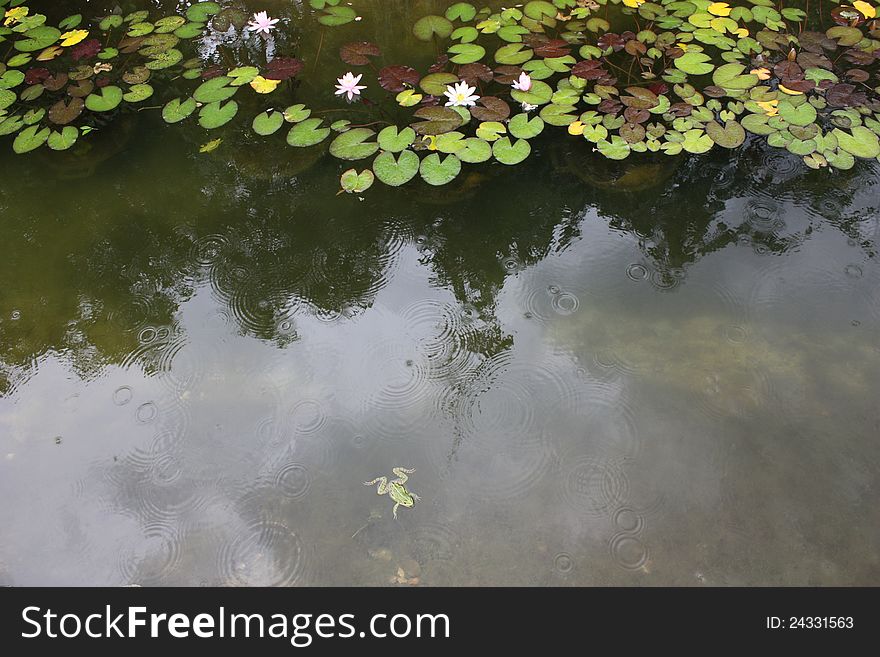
(396, 488)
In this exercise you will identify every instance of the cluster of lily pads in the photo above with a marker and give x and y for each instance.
(688, 75)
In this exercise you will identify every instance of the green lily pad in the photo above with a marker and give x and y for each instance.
(559, 115)
(38, 38)
(202, 11)
(10, 124)
(20, 59)
(393, 140)
(437, 120)
(356, 183)
(307, 133)
(466, 34)
(428, 26)
(336, 16)
(61, 141)
(105, 99)
(11, 79)
(513, 54)
(474, 150)
(213, 115)
(34, 116)
(169, 24)
(539, 94)
(462, 11)
(803, 114)
(616, 148)
(437, 172)
(696, 141)
(436, 83)
(109, 22)
(165, 59)
(177, 110)
(268, 123)
(450, 142)
(521, 127)
(757, 124)
(511, 153)
(466, 53)
(138, 93)
(30, 138)
(7, 98)
(861, 143)
(215, 89)
(352, 145)
(396, 172)
(297, 113)
(731, 135)
(491, 130)
(242, 75)
(140, 29)
(694, 63)
(189, 31)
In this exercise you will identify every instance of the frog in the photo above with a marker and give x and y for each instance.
(396, 489)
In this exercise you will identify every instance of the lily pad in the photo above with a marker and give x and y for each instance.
(307, 133)
(474, 150)
(731, 135)
(436, 171)
(38, 38)
(356, 183)
(615, 148)
(437, 120)
(694, 63)
(394, 140)
(138, 93)
(427, 27)
(335, 16)
(268, 123)
(511, 153)
(105, 99)
(352, 145)
(213, 115)
(436, 83)
(30, 138)
(861, 143)
(202, 11)
(396, 171)
(462, 11)
(242, 75)
(466, 53)
(214, 90)
(297, 113)
(803, 114)
(522, 127)
(177, 110)
(63, 139)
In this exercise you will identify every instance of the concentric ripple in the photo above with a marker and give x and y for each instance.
(594, 486)
(265, 553)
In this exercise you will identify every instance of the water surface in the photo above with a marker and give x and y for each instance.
(657, 372)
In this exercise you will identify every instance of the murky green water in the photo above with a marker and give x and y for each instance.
(661, 372)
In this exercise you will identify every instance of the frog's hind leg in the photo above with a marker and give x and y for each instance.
(402, 474)
(394, 510)
(383, 485)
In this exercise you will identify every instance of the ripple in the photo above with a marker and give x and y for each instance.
(665, 280)
(853, 271)
(734, 392)
(15, 315)
(207, 249)
(307, 416)
(147, 412)
(511, 264)
(565, 303)
(147, 335)
(734, 333)
(445, 334)
(563, 563)
(637, 272)
(628, 551)
(152, 559)
(763, 214)
(433, 542)
(122, 395)
(780, 162)
(293, 480)
(265, 553)
(594, 486)
(628, 520)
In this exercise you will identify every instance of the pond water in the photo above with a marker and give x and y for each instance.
(662, 371)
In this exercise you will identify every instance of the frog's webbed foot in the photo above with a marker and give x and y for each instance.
(414, 496)
(402, 474)
(382, 481)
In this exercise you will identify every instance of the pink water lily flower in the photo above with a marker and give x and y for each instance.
(262, 23)
(461, 95)
(524, 83)
(348, 84)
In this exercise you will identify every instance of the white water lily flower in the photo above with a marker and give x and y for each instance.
(348, 84)
(461, 95)
(262, 23)
(524, 83)
(526, 107)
